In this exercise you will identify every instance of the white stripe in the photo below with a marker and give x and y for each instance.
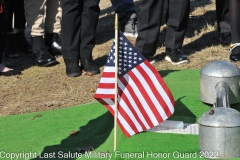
(159, 87)
(119, 116)
(134, 105)
(124, 106)
(141, 99)
(105, 91)
(145, 85)
(107, 80)
(109, 69)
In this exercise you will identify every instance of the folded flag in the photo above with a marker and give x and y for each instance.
(144, 100)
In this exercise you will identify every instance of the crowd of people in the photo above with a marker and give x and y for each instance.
(68, 28)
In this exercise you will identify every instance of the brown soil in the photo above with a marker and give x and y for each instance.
(39, 88)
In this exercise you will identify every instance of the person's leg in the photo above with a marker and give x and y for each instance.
(10, 50)
(177, 20)
(53, 26)
(89, 20)
(222, 14)
(6, 71)
(35, 14)
(149, 21)
(234, 16)
(70, 36)
(19, 27)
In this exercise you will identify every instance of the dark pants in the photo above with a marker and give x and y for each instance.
(222, 12)
(149, 21)
(79, 22)
(3, 27)
(16, 8)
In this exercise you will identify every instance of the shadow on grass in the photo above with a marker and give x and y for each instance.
(94, 134)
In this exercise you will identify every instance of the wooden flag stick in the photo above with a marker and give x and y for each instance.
(116, 82)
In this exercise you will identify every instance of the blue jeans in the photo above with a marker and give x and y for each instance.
(123, 7)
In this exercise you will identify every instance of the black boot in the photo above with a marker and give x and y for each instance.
(89, 66)
(72, 67)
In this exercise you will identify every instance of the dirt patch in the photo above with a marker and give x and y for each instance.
(39, 89)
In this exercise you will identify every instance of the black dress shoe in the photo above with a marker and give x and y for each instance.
(56, 48)
(72, 67)
(226, 38)
(43, 58)
(176, 56)
(11, 73)
(89, 66)
(235, 52)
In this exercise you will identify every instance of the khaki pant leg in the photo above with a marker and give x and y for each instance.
(53, 16)
(35, 14)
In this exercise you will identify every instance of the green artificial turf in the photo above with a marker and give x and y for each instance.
(48, 134)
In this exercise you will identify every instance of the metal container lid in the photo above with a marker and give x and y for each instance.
(220, 68)
(220, 117)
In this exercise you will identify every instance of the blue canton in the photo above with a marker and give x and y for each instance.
(128, 56)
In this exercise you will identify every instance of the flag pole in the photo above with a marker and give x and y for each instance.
(116, 82)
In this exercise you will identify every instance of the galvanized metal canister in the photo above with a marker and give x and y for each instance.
(219, 133)
(215, 72)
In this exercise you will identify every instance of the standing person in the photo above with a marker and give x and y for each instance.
(234, 18)
(127, 16)
(44, 25)
(149, 21)
(79, 22)
(222, 13)
(6, 71)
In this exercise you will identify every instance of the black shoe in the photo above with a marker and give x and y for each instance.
(89, 66)
(11, 73)
(150, 58)
(43, 58)
(226, 38)
(235, 52)
(128, 25)
(56, 48)
(72, 67)
(176, 56)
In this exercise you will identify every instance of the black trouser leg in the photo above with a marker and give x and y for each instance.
(89, 21)
(234, 7)
(149, 21)
(222, 13)
(177, 20)
(79, 22)
(2, 34)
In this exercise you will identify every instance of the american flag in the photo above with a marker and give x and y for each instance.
(144, 100)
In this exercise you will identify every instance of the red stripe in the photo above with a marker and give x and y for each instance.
(154, 89)
(129, 105)
(161, 81)
(108, 74)
(138, 103)
(144, 93)
(106, 85)
(97, 96)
